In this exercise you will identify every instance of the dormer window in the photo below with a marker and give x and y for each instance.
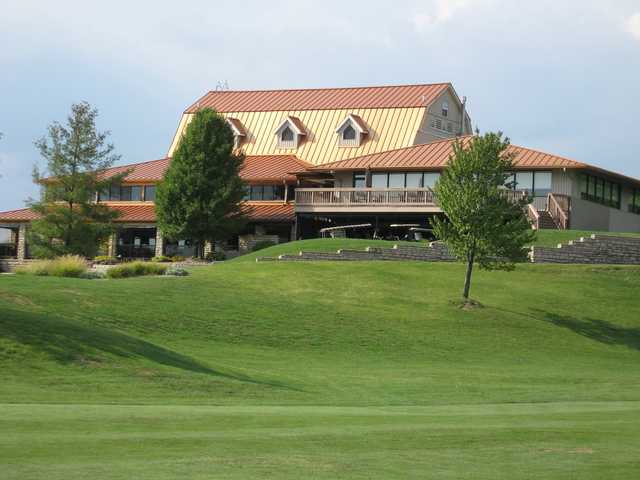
(445, 109)
(289, 133)
(239, 133)
(351, 131)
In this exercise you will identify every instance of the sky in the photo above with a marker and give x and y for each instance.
(560, 76)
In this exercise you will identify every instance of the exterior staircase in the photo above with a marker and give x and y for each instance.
(545, 220)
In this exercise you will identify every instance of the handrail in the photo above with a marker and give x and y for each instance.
(347, 197)
(534, 216)
(558, 214)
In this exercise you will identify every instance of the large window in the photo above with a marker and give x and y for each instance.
(129, 193)
(397, 179)
(634, 206)
(597, 189)
(535, 182)
(264, 192)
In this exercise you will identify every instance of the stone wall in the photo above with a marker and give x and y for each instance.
(597, 249)
(247, 242)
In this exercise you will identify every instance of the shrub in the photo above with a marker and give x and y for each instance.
(262, 244)
(65, 266)
(161, 259)
(177, 258)
(176, 272)
(105, 260)
(136, 269)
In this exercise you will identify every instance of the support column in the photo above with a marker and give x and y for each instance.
(22, 242)
(159, 243)
(208, 248)
(111, 245)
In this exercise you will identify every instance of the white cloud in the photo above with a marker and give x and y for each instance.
(632, 25)
(441, 12)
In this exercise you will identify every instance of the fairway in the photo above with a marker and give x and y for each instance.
(322, 370)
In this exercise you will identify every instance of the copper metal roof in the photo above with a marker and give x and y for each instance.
(255, 168)
(320, 98)
(435, 155)
(271, 168)
(146, 213)
(268, 211)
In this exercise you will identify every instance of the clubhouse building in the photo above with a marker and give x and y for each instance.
(350, 161)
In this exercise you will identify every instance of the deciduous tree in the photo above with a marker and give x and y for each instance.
(483, 224)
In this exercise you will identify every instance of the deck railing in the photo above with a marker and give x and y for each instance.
(359, 197)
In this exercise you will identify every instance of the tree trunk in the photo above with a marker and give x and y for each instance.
(467, 277)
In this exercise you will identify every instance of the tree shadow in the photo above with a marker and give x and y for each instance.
(68, 342)
(596, 329)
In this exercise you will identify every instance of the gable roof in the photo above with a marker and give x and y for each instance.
(320, 98)
(295, 123)
(236, 126)
(356, 121)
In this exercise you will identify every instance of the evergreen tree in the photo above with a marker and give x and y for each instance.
(200, 194)
(76, 155)
(483, 225)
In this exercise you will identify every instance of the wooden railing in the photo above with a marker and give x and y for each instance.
(534, 216)
(558, 207)
(360, 197)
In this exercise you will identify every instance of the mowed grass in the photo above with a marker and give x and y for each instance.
(322, 370)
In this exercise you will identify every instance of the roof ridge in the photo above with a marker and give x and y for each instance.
(328, 88)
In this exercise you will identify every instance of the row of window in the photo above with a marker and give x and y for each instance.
(597, 189)
(268, 192)
(129, 193)
(397, 179)
(536, 183)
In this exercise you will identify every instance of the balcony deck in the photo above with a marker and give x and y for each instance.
(368, 200)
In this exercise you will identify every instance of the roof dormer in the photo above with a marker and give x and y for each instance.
(289, 133)
(351, 131)
(239, 133)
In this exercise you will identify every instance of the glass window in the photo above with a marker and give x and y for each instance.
(524, 181)
(359, 180)
(349, 133)
(115, 192)
(599, 191)
(267, 192)
(430, 179)
(445, 109)
(125, 193)
(136, 193)
(150, 193)
(287, 135)
(510, 181)
(414, 179)
(542, 183)
(379, 180)
(256, 192)
(396, 180)
(278, 192)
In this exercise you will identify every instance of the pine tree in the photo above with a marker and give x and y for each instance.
(483, 225)
(76, 155)
(201, 191)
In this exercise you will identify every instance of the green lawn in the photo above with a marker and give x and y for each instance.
(322, 370)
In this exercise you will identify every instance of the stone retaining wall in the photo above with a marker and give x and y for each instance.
(597, 249)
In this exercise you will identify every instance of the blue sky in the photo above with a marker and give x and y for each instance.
(563, 77)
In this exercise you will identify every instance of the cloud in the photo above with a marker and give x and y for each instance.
(632, 25)
(441, 12)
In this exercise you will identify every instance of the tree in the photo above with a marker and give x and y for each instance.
(76, 155)
(200, 194)
(483, 225)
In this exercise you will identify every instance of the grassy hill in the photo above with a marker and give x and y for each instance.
(322, 370)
